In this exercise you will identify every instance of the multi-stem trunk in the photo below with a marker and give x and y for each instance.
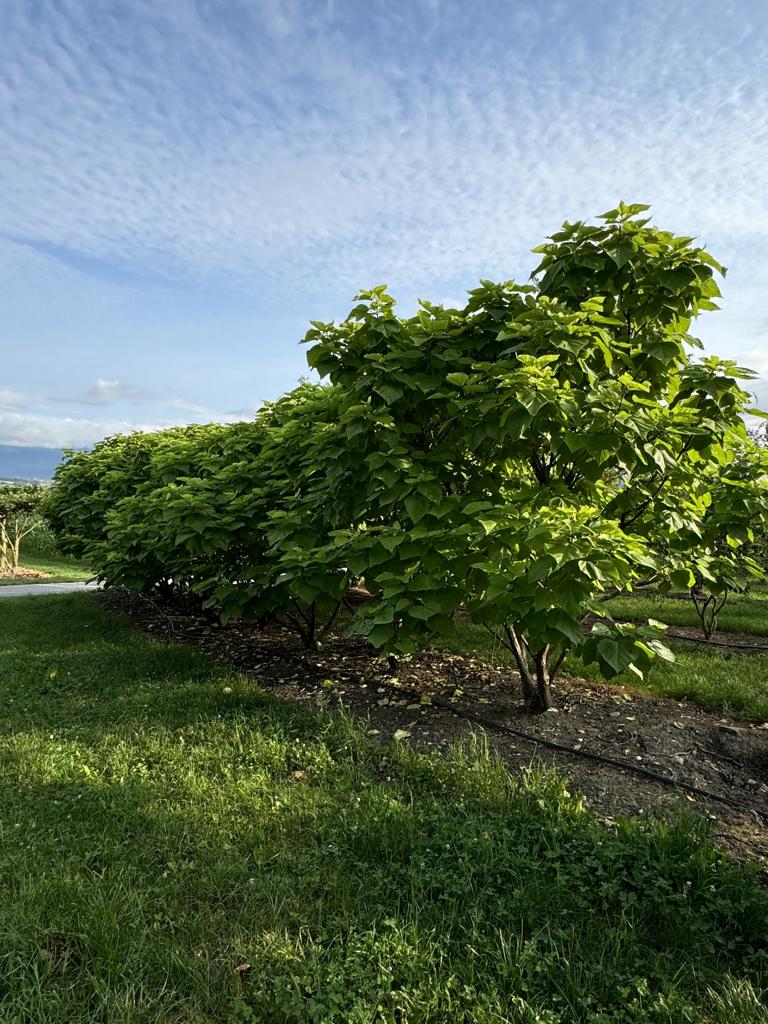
(534, 669)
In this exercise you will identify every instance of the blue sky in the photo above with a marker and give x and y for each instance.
(185, 184)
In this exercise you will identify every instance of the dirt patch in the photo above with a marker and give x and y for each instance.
(677, 740)
(20, 573)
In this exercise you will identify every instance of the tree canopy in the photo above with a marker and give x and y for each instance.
(19, 516)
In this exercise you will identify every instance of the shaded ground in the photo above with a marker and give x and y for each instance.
(678, 740)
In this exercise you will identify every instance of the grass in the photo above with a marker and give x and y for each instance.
(163, 822)
(57, 569)
(719, 680)
(747, 613)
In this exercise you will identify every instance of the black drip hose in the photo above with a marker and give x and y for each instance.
(589, 755)
(489, 723)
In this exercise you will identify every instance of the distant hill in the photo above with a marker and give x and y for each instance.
(17, 463)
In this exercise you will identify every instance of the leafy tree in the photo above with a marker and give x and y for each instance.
(210, 513)
(19, 516)
(727, 555)
(540, 447)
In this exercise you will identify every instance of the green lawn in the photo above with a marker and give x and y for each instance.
(59, 570)
(162, 822)
(747, 613)
(716, 679)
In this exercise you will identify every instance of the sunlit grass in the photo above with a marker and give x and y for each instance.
(746, 613)
(164, 823)
(57, 570)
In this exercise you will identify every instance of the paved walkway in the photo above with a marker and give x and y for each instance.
(39, 589)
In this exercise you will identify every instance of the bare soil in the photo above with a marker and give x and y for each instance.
(678, 740)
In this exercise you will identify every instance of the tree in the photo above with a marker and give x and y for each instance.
(19, 516)
(210, 514)
(540, 447)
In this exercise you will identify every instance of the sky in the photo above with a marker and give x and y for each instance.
(185, 184)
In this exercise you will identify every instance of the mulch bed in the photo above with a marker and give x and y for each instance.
(676, 739)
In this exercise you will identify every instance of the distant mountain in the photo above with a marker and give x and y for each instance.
(17, 463)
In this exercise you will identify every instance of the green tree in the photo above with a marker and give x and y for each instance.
(537, 449)
(19, 516)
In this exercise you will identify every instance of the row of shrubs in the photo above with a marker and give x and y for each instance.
(521, 458)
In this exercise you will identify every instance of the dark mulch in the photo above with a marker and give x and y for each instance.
(675, 739)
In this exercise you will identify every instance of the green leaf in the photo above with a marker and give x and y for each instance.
(566, 625)
(389, 392)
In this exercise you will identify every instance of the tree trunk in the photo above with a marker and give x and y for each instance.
(4, 546)
(543, 698)
(516, 645)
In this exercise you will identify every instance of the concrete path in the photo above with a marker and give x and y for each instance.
(39, 589)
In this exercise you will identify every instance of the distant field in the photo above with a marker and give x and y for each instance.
(58, 570)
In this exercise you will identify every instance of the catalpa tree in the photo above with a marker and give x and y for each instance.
(542, 447)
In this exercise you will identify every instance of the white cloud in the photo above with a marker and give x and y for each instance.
(294, 153)
(181, 403)
(10, 397)
(308, 149)
(106, 391)
(102, 392)
(61, 431)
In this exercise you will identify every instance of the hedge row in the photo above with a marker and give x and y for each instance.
(521, 458)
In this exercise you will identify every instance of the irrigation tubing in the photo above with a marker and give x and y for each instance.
(715, 643)
(589, 755)
(507, 730)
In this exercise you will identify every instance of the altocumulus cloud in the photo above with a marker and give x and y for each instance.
(301, 150)
(230, 138)
(61, 431)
